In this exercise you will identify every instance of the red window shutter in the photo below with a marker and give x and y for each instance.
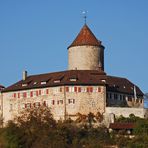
(75, 88)
(91, 89)
(79, 89)
(53, 102)
(47, 91)
(87, 89)
(31, 94)
(99, 89)
(14, 95)
(67, 89)
(39, 92)
(25, 105)
(60, 89)
(24, 94)
(58, 102)
(18, 95)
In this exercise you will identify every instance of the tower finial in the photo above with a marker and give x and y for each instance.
(85, 15)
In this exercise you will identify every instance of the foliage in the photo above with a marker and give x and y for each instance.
(37, 129)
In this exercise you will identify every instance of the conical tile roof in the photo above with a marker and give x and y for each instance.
(85, 37)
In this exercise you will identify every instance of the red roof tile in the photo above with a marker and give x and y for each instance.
(121, 125)
(85, 37)
(83, 77)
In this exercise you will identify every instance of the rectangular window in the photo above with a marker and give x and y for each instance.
(37, 104)
(83, 89)
(37, 93)
(28, 105)
(71, 101)
(60, 89)
(14, 95)
(67, 89)
(53, 102)
(71, 89)
(61, 101)
(40, 92)
(18, 95)
(87, 89)
(91, 89)
(75, 89)
(24, 94)
(47, 91)
(79, 89)
(44, 103)
(31, 94)
(99, 89)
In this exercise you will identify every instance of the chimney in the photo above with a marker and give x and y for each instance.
(24, 75)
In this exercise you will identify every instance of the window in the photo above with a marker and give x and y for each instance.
(60, 89)
(91, 89)
(53, 102)
(14, 95)
(99, 89)
(43, 82)
(37, 93)
(56, 81)
(47, 91)
(34, 83)
(71, 101)
(40, 92)
(115, 96)
(71, 89)
(73, 79)
(120, 97)
(44, 103)
(31, 94)
(24, 94)
(18, 95)
(79, 89)
(83, 89)
(37, 104)
(28, 105)
(75, 89)
(67, 89)
(24, 84)
(60, 102)
(95, 89)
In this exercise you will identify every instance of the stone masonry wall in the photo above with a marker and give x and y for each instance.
(84, 57)
(59, 100)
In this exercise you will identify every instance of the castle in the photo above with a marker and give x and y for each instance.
(83, 88)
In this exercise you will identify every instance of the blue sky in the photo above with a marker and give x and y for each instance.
(35, 34)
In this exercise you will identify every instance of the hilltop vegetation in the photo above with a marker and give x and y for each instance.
(38, 129)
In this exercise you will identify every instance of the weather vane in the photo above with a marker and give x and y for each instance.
(85, 15)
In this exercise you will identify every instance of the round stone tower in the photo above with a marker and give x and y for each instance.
(86, 52)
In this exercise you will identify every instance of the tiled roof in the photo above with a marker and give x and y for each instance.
(118, 84)
(85, 37)
(75, 77)
(121, 126)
